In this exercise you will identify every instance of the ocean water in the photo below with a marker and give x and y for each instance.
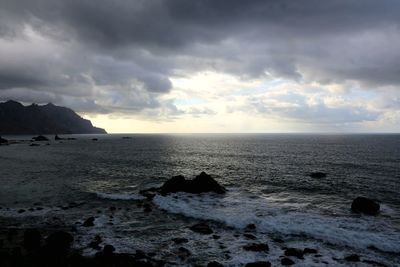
(268, 185)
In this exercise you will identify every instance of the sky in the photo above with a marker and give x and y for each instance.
(179, 66)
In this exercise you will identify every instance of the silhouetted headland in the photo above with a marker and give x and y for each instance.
(16, 118)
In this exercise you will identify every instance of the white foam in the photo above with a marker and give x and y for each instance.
(238, 209)
(120, 196)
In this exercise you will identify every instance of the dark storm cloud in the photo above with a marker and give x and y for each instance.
(122, 53)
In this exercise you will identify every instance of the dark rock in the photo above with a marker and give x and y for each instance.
(40, 138)
(96, 242)
(201, 184)
(59, 241)
(58, 138)
(3, 141)
(294, 252)
(89, 222)
(250, 236)
(258, 264)
(149, 193)
(214, 264)
(201, 228)
(183, 252)
(216, 237)
(251, 226)
(113, 208)
(32, 239)
(365, 205)
(318, 175)
(258, 247)
(21, 211)
(180, 240)
(310, 251)
(108, 249)
(33, 144)
(287, 261)
(352, 257)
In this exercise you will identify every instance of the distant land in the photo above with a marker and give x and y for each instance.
(16, 118)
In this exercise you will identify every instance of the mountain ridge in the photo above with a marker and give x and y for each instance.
(15, 118)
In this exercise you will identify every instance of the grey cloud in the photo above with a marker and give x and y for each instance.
(119, 55)
(299, 110)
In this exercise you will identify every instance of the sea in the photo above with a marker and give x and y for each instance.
(62, 183)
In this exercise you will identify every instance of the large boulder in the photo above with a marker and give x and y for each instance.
(365, 205)
(173, 185)
(201, 184)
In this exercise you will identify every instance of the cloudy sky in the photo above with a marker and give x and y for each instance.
(207, 65)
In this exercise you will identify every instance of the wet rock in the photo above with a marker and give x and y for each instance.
(318, 175)
(201, 228)
(108, 249)
(32, 239)
(59, 241)
(201, 184)
(88, 222)
(257, 247)
(250, 236)
(365, 205)
(258, 264)
(287, 261)
(3, 141)
(56, 137)
(352, 257)
(251, 226)
(310, 251)
(40, 138)
(214, 264)
(294, 252)
(96, 242)
(149, 193)
(183, 253)
(180, 240)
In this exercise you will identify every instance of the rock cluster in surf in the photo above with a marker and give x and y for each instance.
(202, 183)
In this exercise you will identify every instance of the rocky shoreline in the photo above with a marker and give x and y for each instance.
(53, 245)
